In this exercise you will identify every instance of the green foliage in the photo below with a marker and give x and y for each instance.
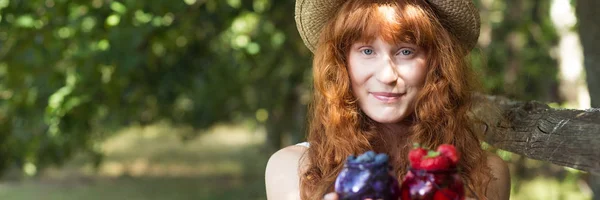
(514, 55)
(73, 70)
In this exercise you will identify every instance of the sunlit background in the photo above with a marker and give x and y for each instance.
(172, 99)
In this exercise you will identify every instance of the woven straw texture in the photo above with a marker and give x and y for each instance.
(460, 17)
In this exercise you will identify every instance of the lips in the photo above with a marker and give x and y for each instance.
(387, 97)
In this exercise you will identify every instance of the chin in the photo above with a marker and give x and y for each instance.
(387, 119)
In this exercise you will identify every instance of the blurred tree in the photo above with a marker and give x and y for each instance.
(589, 32)
(73, 70)
(514, 57)
(514, 49)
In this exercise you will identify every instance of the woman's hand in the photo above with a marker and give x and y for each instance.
(333, 196)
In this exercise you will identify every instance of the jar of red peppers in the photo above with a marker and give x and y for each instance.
(433, 175)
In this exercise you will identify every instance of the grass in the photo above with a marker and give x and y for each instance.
(152, 163)
(142, 188)
(549, 189)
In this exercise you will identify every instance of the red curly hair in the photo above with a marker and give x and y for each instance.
(337, 127)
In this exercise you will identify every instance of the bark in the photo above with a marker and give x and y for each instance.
(589, 32)
(561, 136)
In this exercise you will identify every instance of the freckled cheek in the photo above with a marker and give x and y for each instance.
(420, 77)
(414, 75)
(360, 72)
(355, 77)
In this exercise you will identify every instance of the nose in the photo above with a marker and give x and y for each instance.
(387, 72)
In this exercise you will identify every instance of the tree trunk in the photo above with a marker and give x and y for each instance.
(589, 32)
(273, 142)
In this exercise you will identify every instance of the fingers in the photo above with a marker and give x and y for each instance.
(331, 196)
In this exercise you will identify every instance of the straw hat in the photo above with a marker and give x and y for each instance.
(460, 17)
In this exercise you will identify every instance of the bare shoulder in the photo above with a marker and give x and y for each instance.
(282, 175)
(499, 186)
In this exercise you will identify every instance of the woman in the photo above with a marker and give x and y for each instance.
(387, 74)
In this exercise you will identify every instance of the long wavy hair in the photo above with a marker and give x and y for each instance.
(337, 127)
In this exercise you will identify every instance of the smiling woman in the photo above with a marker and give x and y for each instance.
(387, 74)
(386, 78)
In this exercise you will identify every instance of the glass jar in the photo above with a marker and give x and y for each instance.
(359, 181)
(432, 185)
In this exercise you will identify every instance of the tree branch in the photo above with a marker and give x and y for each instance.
(561, 136)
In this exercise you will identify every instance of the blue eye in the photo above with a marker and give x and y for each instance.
(406, 52)
(367, 51)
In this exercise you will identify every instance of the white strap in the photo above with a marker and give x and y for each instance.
(305, 144)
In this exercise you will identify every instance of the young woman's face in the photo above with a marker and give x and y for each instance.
(386, 78)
